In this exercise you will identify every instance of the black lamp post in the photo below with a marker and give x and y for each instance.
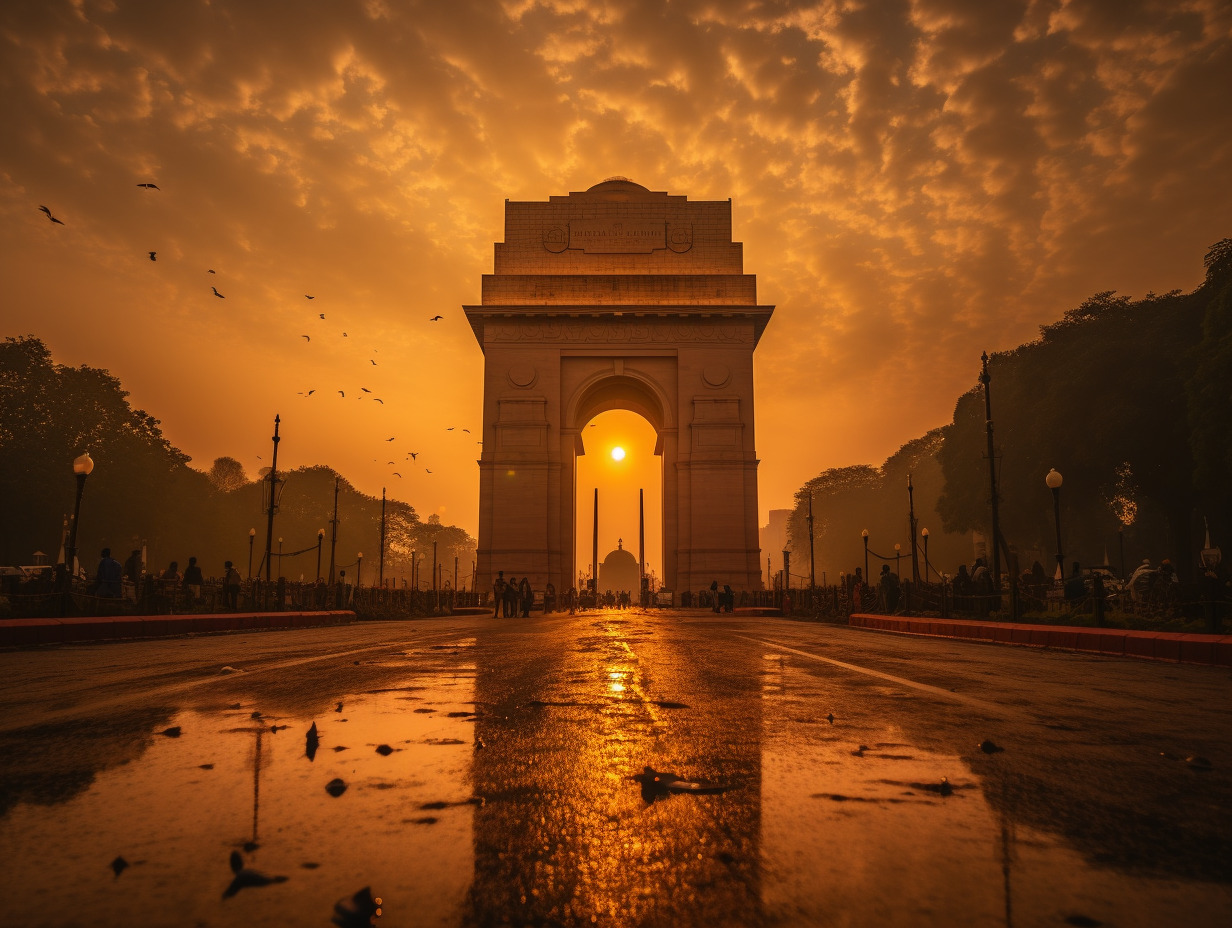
(252, 536)
(924, 535)
(898, 550)
(320, 538)
(359, 567)
(864, 534)
(280, 557)
(1054, 483)
(82, 466)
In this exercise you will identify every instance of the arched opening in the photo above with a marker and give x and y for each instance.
(618, 479)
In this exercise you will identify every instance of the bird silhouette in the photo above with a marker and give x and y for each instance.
(391, 462)
(428, 470)
(436, 318)
(305, 336)
(149, 186)
(210, 271)
(307, 297)
(396, 474)
(373, 362)
(217, 294)
(49, 216)
(152, 254)
(467, 431)
(344, 335)
(390, 439)
(450, 429)
(322, 315)
(413, 454)
(379, 400)
(341, 394)
(310, 392)
(365, 389)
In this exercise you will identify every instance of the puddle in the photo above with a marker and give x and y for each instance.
(174, 812)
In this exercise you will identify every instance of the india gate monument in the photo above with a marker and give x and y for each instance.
(619, 297)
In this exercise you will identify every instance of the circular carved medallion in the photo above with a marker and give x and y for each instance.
(556, 239)
(716, 375)
(522, 375)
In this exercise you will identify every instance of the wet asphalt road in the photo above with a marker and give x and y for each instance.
(494, 772)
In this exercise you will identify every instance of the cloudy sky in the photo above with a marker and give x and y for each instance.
(915, 181)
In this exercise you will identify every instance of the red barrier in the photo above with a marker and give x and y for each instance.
(26, 632)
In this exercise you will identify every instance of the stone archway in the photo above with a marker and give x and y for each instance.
(619, 298)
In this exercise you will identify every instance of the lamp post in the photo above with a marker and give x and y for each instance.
(359, 567)
(897, 554)
(320, 538)
(82, 466)
(252, 536)
(1054, 483)
(924, 535)
(279, 555)
(864, 534)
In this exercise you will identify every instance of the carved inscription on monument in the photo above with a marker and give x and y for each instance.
(597, 332)
(601, 236)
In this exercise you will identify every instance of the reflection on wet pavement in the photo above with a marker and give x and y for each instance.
(177, 809)
(610, 770)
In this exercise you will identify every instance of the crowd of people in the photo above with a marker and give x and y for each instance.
(110, 576)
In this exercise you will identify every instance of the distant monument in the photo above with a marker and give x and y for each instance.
(619, 297)
(619, 572)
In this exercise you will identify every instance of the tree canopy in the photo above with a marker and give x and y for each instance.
(143, 491)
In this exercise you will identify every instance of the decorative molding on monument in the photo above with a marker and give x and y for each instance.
(640, 331)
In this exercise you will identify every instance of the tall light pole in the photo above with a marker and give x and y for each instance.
(279, 557)
(897, 553)
(1054, 483)
(986, 379)
(381, 561)
(915, 556)
(359, 568)
(812, 561)
(864, 535)
(924, 535)
(333, 537)
(252, 536)
(273, 499)
(83, 465)
(320, 538)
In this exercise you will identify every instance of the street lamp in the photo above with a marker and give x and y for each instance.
(1054, 483)
(897, 553)
(252, 536)
(864, 534)
(280, 557)
(359, 566)
(924, 535)
(320, 538)
(82, 466)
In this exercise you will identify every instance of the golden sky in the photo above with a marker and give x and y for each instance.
(914, 183)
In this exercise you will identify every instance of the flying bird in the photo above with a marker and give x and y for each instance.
(450, 429)
(149, 186)
(467, 431)
(414, 454)
(436, 318)
(379, 400)
(210, 271)
(310, 392)
(49, 216)
(322, 315)
(373, 362)
(365, 389)
(305, 336)
(391, 462)
(217, 294)
(396, 474)
(152, 254)
(344, 335)
(307, 297)
(390, 439)
(341, 394)
(428, 470)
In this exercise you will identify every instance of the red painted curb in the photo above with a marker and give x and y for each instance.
(1176, 647)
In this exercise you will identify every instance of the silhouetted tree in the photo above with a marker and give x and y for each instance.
(1210, 395)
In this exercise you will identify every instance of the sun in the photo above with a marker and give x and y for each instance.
(618, 453)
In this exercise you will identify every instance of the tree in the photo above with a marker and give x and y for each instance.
(227, 474)
(1210, 394)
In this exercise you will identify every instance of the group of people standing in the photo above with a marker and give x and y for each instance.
(513, 595)
(110, 576)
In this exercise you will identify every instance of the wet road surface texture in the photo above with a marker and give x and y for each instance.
(614, 769)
